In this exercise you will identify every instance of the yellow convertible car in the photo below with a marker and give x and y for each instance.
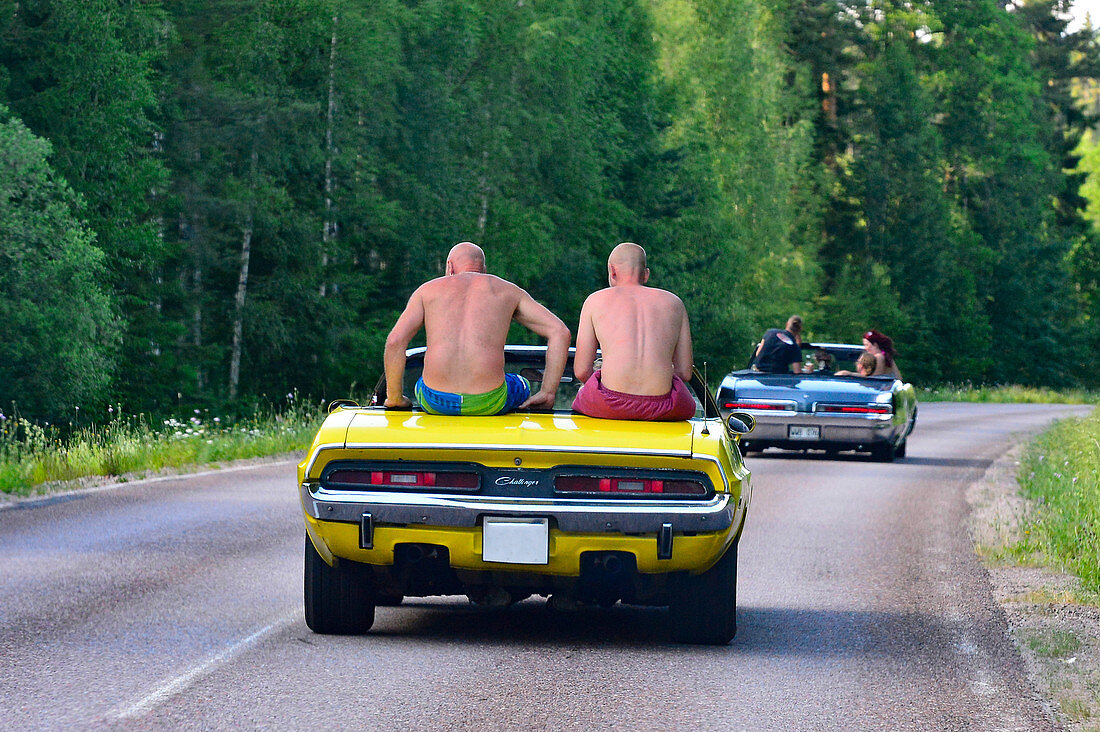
(402, 503)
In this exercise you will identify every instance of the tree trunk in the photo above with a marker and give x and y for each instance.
(483, 186)
(328, 231)
(238, 316)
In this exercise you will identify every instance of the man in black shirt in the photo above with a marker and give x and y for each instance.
(779, 351)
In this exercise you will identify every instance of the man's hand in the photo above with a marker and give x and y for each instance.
(543, 400)
(402, 402)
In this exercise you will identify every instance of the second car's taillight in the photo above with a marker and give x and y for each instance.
(588, 485)
(767, 406)
(404, 479)
(855, 408)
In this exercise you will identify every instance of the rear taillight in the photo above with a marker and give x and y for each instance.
(759, 405)
(585, 484)
(404, 479)
(855, 408)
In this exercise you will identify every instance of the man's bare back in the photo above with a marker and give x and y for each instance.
(642, 332)
(466, 319)
(466, 315)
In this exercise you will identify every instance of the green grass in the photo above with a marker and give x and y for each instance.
(31, 455)
(1006, 394)
(1060, 473)
(1052, 643)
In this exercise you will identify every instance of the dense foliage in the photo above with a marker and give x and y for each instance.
(242, 193)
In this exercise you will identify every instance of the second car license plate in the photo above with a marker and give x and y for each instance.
(515, 540)
(800, 432)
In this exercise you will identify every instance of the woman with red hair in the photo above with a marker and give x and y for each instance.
(882, 348)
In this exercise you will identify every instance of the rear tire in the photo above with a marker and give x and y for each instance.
(703, 608)
(339, 600)
(388, 599)
(900, 452)
(884, 452)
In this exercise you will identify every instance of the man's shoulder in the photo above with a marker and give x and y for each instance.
(657, 292)
(469, 280)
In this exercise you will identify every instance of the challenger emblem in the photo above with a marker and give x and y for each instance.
(507, 480)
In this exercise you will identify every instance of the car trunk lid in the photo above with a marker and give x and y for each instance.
(519, 430)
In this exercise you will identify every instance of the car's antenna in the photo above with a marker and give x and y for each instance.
(706, 388)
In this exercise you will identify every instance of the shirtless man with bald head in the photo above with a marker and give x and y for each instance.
(645, 343)
(466, 315)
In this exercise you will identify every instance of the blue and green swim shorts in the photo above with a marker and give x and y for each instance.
(514, 391)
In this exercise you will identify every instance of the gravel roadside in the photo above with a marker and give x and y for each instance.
(1055, 629)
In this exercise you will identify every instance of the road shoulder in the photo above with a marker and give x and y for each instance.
(96, 483)
(1057, 634)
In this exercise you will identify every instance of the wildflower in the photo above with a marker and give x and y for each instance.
(217, 419)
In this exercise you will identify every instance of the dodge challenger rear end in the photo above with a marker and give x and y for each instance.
(552, 503)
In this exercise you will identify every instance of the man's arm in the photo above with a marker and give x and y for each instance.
(682, 355)
(584, 358)
(407, 325)
(539, 319)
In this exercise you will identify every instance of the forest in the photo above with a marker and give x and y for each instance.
(212, 203)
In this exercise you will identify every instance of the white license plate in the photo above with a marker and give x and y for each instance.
(516, 540)
(799, 432)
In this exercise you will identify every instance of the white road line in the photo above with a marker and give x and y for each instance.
(175, 685)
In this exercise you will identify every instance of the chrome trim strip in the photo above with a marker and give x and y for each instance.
(501, 448)
(317, 453)
(843, 420)
(573, 515)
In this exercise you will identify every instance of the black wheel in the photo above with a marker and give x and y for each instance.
(388, 599)
(703, 608)
(339, 600)
(884, 452)
(900, 452)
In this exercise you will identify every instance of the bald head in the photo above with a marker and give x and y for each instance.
(627, 265)
(465, 257)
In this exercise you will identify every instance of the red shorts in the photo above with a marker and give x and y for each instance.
(596, 400)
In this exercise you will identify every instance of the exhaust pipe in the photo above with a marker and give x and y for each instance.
(608, 564)
(413, 553)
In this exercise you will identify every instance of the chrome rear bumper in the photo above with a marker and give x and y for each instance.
(571, 515)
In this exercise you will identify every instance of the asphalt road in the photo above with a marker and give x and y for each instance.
(177, 604)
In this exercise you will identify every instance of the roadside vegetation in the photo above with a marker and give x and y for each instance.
(1060, 473)
(1008, 394)
(32, 454)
